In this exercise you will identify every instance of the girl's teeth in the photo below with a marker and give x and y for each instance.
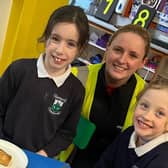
(58, 59)
(143, 124)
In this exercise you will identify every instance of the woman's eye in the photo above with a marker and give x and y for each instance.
(133, 56)
(117, 49)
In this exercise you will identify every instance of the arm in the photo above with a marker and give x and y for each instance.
(42, 152)
(9, 84)
(6, 92)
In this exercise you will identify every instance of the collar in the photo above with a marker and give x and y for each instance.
(141, 150)
(42, 73)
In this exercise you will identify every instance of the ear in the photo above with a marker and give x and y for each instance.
(81, 50)
(144, 61)
(46, 43)
(166, 128)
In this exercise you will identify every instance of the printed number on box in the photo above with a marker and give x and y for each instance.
(144, 16)
(106, 9)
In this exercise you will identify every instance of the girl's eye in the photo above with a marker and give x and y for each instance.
(72, 44)
(160, 114)
(54, 39)
(144, 106)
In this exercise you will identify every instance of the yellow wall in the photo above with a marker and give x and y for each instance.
(26, 23)
(5, 7)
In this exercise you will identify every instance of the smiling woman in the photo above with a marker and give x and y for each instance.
(44, 89)
(111, 90)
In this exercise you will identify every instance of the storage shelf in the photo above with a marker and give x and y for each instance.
(83, 61)
(149, 69)
(101, 24)
(97, 46)
(161, 49)
(161, 18)
(109, 28)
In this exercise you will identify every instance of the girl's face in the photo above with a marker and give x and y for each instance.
(151, 115)
(124, 56)
(61, 48)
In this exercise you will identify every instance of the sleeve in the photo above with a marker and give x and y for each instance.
(119, 148)
(159, 158)
(67, 132)
(7, 91)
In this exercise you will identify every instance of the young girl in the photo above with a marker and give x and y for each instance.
(40, 99)
(145, 145)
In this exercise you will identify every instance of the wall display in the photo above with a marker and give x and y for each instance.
(128, 8)
(134, 8)
(144, 16)
(151, 3)
(106, 9)
(161, 16)
(83, 4)
(121, 6)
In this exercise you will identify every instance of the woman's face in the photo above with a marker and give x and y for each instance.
(61, 48)
(124, 56)
(151, 115)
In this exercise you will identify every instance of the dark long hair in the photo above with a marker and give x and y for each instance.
(71, 14)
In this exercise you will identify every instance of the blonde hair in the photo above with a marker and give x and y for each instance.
(158, 83)
(137, 29)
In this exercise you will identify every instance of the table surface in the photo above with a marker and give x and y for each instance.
(38, 161)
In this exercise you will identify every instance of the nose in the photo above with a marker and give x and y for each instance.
(123, 57)
(60, 47)
(147, 115)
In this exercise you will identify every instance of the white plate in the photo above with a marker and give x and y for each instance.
(19, 158)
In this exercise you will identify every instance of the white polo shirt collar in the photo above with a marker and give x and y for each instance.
(42, 73)
(141, 150)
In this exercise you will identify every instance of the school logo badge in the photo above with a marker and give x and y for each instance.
(58, 103)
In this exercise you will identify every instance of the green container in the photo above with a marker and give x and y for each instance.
(85, 130)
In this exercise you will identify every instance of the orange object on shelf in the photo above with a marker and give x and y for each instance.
(127, 9)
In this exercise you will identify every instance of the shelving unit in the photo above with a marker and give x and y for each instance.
(97, 46)
(109, 28)
(101, 25)
(148, 74)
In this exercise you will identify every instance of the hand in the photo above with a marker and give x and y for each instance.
(42, 152)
